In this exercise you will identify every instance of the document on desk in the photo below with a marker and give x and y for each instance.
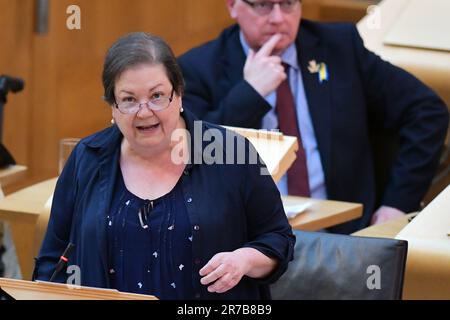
(422, 24)
(295, 209)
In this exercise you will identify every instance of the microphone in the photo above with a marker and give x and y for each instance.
(13, 84)
(62, 260)
(7, 84)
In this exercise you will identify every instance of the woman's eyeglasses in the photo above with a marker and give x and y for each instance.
(157, 102)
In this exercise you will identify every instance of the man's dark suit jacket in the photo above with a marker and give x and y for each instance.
(363, 94)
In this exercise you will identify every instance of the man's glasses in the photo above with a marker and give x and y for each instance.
(157, 102)
(265, 7)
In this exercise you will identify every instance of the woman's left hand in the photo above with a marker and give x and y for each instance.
(224, 271)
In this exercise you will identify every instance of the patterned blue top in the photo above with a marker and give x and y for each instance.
(150, 244)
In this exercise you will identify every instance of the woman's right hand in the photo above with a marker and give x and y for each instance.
(223, 271)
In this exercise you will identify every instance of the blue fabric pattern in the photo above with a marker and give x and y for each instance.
(150, 244)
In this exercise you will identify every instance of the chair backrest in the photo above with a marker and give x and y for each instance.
(333, 266)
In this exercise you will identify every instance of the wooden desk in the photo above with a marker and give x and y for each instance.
(322, 213)
(24, 211)
(8, 175)
(276, 149)
(427, 274)
(430, 66)
(389, 229)
(12, 174)
(428, 265)
(27, 290)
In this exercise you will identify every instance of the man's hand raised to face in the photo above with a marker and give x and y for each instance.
(264, 71)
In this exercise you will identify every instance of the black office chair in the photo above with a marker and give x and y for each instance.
(340, 267)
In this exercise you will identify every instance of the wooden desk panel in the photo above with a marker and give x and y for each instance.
(427, 274)
(24, 211)
(389, 229)
(12, 174)
(8, 175)
(428, 264)
(322, 213)
(27, 290)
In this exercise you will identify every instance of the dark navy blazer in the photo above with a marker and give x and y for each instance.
(229, 206)
(363, 94)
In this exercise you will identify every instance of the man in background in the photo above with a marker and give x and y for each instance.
(318, 82)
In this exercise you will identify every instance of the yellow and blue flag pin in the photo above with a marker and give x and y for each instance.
(319, 68)
(323, 72)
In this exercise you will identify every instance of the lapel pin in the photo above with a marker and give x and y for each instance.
(323, 72)
(319, 68)
(313, 67)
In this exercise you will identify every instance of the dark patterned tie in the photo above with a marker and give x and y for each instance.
(298, 183)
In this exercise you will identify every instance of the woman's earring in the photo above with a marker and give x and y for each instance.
(113, 121)
(181, 109)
